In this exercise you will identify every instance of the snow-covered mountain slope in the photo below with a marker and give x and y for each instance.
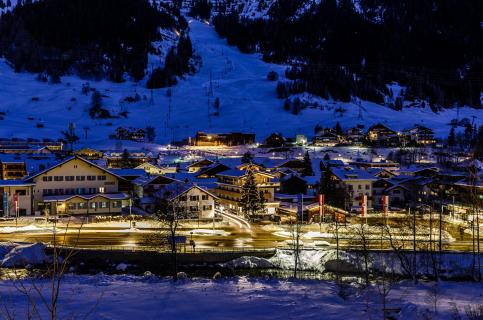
(248, 102)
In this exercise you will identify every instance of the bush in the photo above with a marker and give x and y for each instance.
(272, 76)
(159, 78)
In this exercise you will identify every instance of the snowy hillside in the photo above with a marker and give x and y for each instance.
(248, 102)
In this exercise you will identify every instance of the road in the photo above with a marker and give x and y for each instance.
(232, 233)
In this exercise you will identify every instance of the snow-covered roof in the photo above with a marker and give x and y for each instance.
(15, 183)
(65, 197)
(174, 190)
(127, 172)
(351, 174)
(70, 159)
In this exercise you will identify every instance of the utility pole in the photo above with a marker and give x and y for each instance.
(414, 244)
(440, 231)
(336, 215)
(478, 244)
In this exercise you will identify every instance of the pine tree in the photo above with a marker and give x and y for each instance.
(247, 158)
(334, 195)
(150, 133)
(308, 171)
(338, 129)
(250, 201)
(478, 147)
(452, 138)
(126, 159)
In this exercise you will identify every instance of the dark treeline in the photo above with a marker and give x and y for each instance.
(201, 9)
(433, 47)
(177, 63)
(92, 38)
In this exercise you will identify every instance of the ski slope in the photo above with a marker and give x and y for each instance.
(248, 102)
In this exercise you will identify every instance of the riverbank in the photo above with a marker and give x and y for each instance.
(149, 297)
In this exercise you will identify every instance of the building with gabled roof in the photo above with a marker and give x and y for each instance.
(197, 202)
(77, 186)
(355, 182)
(230, 184)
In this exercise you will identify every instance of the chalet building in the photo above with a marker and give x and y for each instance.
(380, 134)
(29, 146)
(77, 186)
(25, 150)
(355, 182)
(223, 139)
(420, 135)
(301, 140)
(327, 164)
(383, 164)
(275, 140)
(355, 136)
(256, 167)
(378, 188)
(293, 164)
(326, 140)
(419, 171)
(403, 191)
(155, 170)
(15, 198)
(127, 177)
(293, 184)
(130, 133)
(89, 154)
(212, 171)
(149, 185)
(229, 189)
(198, 165)
(12, 167)
(117, 160)
(381, 173)
(195, 201)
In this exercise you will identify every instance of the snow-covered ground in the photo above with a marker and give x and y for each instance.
(128, 297)
(248, 102)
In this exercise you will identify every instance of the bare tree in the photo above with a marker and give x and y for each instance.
(46, 297)
(295, 230)
(361, 241)
(170, 211)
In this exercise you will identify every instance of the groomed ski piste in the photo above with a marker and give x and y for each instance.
(248, 102)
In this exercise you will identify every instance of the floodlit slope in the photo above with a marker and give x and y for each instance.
(248, 102)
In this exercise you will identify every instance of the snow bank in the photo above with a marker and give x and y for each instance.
(248, 263)
(22, 255)
(29, 228)
(122, 266)
(453, 265)
(130, 297)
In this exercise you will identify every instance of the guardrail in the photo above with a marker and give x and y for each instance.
(182, 249)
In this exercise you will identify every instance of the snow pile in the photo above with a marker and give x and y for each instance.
(122, 266)
(22, 255)
(5, 248)
(313, 260)
(248, 263)
(29, 228)
(452, 265)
